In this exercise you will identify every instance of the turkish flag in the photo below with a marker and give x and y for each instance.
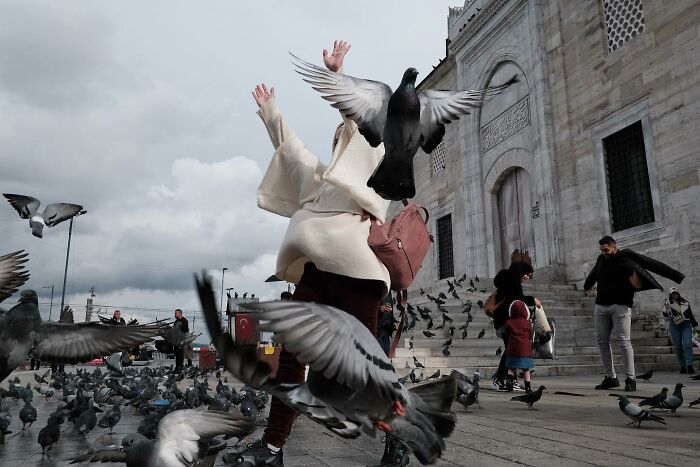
(246, 331)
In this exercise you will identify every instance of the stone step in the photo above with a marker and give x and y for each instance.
(494, 342)
(486, 351)
(450, 362)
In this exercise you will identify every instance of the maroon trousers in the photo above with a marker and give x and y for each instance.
(359, 297)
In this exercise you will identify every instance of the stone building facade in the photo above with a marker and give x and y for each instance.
(599, 136)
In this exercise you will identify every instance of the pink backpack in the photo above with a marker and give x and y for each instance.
(401, 244)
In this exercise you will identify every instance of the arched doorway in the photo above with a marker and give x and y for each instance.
(515, 216)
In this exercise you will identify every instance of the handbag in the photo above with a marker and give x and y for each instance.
(401, 244)
(545, 347)
(490, 305)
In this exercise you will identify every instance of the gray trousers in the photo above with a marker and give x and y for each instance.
(614, 321)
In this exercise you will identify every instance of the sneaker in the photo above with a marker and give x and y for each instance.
(609, 383)
(395, 454)
(509, 385)
(630, 385)
(691, 370)
(255, 454)
(497, 385)
(517, 386)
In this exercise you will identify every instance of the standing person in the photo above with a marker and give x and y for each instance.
(324, 251)
(179, 350)
(681, 323)
(509, 287)
(519, 344)
(386, 323)
(117, 318)
(619, 274)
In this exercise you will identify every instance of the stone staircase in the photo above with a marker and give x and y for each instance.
(576, 346)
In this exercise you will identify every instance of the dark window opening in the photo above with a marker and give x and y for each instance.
(444, 244)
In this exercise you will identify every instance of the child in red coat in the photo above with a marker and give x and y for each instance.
(519, 343)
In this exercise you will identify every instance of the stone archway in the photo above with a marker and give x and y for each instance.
(514, 200)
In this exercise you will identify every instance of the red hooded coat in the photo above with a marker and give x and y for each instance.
(519, 331)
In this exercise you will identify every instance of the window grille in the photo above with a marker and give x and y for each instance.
(629, 190)
(438, 158)
(624, 20)
(444, 244)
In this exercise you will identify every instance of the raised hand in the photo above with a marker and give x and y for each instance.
(334, 61)
(261, 94)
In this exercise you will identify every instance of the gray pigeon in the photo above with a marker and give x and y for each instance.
(28, 414)
(635, 412)
(403, 120)
(28, 208)
(181, 440)
(50, 434)
(674, 401)
(12, 273)
(351, 387)
(110, 419)
(23, 333)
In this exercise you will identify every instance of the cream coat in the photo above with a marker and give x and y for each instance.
(325, 204)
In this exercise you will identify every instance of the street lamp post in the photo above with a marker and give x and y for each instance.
(221, 304)
(51, 302)
(65, 271)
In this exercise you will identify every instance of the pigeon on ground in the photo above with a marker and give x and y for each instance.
(467, 390)
(435, 375)
(403, 120)
(181, 440)
(28, 414)
(446, 352)
(499, 351)
(467, 307)
(654, 401)
(529, 397)
(5, 421)
(110, 419)
(50, 434)
(646, 376)
(694, 403)
(410, 343)
(464, 333)
(351, 386)
(442, 295)
(417, 363)
(482, 333)
(23, 333)
(12, 273)
(28, 208)
(674, 401)
(429, 334)
(422, 292)
(635, 412)
(480, 303)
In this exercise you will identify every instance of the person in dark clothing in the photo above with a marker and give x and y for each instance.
(385, 323)
(117, 318)
(508, 283)
(179, 350)
(519, 344)
(681, 323)
(619, 274)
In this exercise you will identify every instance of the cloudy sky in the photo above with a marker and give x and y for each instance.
(141, 111)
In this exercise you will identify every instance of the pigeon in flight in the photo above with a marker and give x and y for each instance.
(55, 213)
(12, 273)
(530, 397)
(403, 120)
(182, 438)
(351, 386)
(635, 412)
(23, 333)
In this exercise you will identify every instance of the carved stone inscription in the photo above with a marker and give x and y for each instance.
(512, 120)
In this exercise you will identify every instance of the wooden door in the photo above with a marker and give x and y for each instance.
(515, 215)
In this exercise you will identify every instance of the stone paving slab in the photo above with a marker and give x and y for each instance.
(561, 431)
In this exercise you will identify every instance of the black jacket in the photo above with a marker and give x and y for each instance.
(642, 265)
(114, 321)
(184, 325)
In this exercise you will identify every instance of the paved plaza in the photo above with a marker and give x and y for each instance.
(562, 430)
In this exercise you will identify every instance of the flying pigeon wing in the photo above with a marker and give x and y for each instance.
(438, 108)
(181, 432)
(12, 273)
(72, 343)
(26, 206)
(58, 212)
(361, 100)
(331, 342)
(66, 315)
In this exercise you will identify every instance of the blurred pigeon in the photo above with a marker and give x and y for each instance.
(451, 286)
(455, 295)
(27, 208)
(23, 333)
(182, 439)
(50, 434)
(529, 397)
(435, 375)
(467, 390)
(446, 352)
(27, 414)
(635, 412)
(442, 295)
(12, 273)
(422, 292)
(403, 120)
(480, 303)
(464, 333)
(467, 307)
(429, 334)
(410, 343)
(646, 376)
(417, 363)
(351, 386)
(110, 419)
(498, 351)
(654, 401)
(482, 333)
(695, 402)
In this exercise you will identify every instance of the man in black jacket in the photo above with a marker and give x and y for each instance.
(179, 350)
(619, 274)
(117, 318)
